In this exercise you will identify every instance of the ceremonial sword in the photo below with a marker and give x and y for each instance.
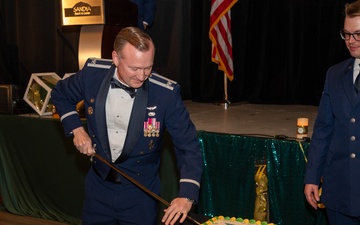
(142, 187)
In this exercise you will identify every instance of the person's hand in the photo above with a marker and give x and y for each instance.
(82, 141)
(311, 192)
(145, 25)
(178, 209)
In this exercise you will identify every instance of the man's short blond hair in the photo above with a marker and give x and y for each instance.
(134, 36)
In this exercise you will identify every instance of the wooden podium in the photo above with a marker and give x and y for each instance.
(100, 21)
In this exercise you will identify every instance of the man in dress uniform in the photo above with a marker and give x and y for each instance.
(128, 109)
(334, 154)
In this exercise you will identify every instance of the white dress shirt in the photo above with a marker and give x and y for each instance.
(118, 109)
(356, 69)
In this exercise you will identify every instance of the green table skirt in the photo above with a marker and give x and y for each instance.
(42, 174)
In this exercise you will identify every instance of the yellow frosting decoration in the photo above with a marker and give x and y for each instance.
(220, 219)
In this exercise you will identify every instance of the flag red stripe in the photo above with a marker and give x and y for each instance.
(223, 46)
(220, 35)
(224, 33)
(219, 8)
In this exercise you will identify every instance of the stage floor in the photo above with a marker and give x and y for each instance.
(250, 119)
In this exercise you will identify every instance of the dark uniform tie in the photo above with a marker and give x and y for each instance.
(116, 84)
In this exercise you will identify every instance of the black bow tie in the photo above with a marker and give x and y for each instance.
(116, 84)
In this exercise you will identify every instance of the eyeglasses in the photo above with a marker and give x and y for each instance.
(346, 35)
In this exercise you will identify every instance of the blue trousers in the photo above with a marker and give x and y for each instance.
(109, 203)
(336, 218)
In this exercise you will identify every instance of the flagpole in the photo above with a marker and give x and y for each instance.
(220, 36)
(227, 102)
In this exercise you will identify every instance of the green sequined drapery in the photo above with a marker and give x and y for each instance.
(228, 186)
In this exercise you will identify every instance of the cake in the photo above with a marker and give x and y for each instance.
(221, 220)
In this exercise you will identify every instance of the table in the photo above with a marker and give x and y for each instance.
(42, 174)
(228, 185)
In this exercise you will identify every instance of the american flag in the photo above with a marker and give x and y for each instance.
(220, 35)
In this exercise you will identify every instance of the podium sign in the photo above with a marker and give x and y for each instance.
(85, 12)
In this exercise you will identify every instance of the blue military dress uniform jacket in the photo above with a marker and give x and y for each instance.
(334, 153)
(157, 106)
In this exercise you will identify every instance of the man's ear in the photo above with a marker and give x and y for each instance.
(115, 58)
